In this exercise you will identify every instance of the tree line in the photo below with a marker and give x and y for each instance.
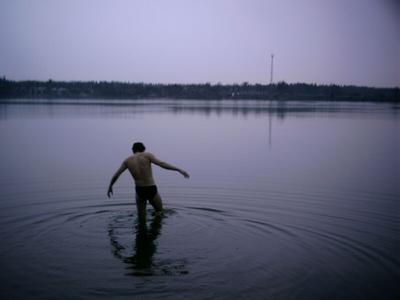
(126, 90)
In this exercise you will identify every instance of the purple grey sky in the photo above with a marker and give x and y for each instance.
(184, 41)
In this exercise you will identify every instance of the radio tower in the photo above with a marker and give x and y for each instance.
(272, 69)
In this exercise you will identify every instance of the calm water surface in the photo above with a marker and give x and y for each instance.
(285, 201)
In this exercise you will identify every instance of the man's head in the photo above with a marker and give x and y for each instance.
(138, 147)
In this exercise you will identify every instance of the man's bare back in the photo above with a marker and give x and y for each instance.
(139, 165)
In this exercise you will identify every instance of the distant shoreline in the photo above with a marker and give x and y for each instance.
(121, 90)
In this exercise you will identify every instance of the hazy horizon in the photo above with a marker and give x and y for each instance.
(201, 83)
(332, 42)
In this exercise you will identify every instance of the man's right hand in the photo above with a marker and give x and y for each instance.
(110, 192)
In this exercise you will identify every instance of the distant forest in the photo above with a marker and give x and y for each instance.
(124, 90)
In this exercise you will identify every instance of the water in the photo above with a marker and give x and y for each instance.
(286, 200)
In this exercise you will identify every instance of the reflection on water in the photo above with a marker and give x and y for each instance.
(287, 200)
(139, 257)
(131, 108)
(145, 244)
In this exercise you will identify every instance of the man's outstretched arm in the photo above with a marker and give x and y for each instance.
(167, 166)
(121, 169)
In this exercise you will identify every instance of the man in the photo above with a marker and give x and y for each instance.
(139, 165)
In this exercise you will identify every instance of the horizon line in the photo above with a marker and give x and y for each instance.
(202, 83)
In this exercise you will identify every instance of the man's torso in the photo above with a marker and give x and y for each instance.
(139, 165)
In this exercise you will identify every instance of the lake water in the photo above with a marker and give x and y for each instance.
(286, 200)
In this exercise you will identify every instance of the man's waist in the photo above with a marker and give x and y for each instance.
(147, 182)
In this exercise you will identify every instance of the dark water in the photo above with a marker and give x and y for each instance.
(285, 201)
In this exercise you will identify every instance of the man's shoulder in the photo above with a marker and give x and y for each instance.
(147, 155)
(128, 159)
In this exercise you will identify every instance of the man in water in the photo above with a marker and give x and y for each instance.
(139, 165)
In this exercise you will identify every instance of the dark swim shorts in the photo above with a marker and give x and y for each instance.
(146, 192)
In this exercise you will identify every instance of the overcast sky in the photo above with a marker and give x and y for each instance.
(184, 41)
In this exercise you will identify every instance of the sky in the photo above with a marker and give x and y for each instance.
(346, 42)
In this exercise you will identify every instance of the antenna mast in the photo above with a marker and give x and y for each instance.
(272, 69)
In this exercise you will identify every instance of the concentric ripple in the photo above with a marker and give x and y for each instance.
(257, 240)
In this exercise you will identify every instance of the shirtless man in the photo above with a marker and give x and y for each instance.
(139, 165)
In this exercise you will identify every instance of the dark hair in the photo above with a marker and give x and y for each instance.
(138, 147)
